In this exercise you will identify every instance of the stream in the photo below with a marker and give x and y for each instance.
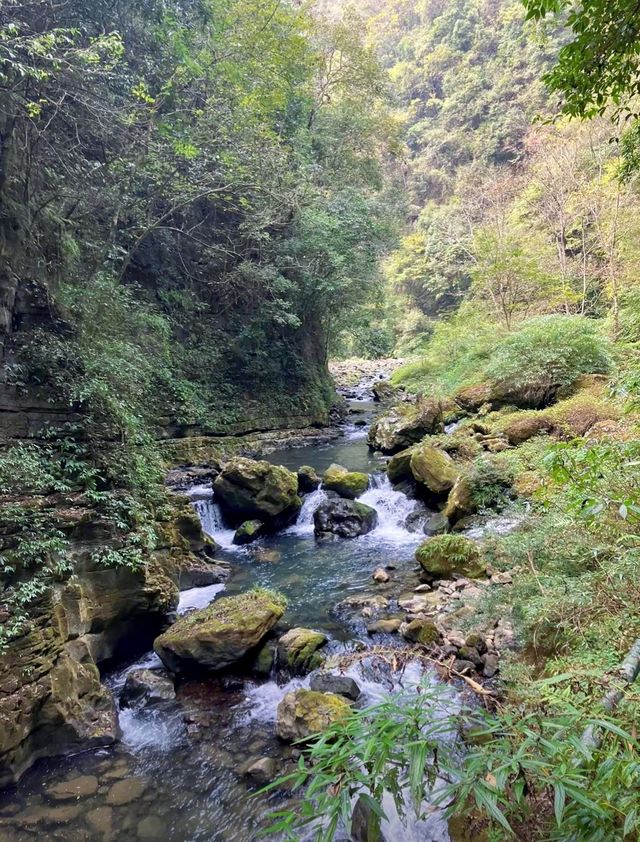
(177, 775)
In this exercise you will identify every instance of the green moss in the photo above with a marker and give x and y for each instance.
(349, 484)
(444, 555)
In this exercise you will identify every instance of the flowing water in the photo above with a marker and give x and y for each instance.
(177, 775)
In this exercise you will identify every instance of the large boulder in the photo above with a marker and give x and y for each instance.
(473, 398)
(406, 424)
(433, 470)
(220, 635)
(344, 518)
(349, 484)
(303, 713)
(399, 466)
(144, 687)
(445, 555)
(460, 502)
(251, 490)
(524, 426)
(298, 650)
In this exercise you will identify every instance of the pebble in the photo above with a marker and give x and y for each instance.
(101, 821)
(381, 576)
(151, 827)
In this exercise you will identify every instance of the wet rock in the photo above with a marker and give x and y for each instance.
(126, 791)
(100, 820)
(348, 484)
(262, 771)
(144, 687)
(365, 824)
(381, 576)
(151, 827)
(308, 479)
(73, 789)
(298, 650)
(248, 532)
(421, 631)
(390, 626)
(344, 518)
(198, 573)
(251, 490)
(302, 713)
(37, 815)
(424, 588)
(264, 660)
(490, 664)
(444, 555)
(406, 424)
(437, 524)
(266, 556)
(433, 470)
(340, 685)
(220, 635)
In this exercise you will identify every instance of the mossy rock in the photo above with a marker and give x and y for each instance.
(303, 713)
(433, 469)
(249, 531)
(445, 555)
(298, 650)
(251, 490)
(424, 632)
(526, 425)
(222, 634)
(348, 484)
(473, 398)
(460, 502)
(406, 424)
(344, 518)
(399, 466)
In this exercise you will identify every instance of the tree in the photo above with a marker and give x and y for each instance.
(601, 63)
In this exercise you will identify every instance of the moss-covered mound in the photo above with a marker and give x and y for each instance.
(222, 634)
(306, 712)
(349, 484)
(406, 424)
(249, 490)
(433, 469)
(298, 650)
(445, 555)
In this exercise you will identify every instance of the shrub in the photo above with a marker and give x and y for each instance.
(547, 353)
(489, 480)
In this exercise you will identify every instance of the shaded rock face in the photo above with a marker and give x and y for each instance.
(344, 518)
(348, 484)
(405, 425)
(220, 635)
(303, 713)
(251, 490)
(308, 479)
(340, 685)
(445, 555)
(145, 687)
(399, 467)
(298, 650)
(460, 502)
(51, 699)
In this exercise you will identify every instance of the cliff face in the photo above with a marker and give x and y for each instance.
(51, 698)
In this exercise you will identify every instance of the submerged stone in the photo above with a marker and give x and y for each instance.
(145, 687)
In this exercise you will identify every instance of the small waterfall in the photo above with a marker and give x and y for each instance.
(198, 597)
(210, 515)
(304, 523)
(392, 506)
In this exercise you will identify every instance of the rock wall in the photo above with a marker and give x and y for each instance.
(51, 698)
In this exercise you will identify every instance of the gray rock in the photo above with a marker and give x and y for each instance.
(491, 661)
(144, 687)
(263, 770)
(344, 518)
(341, 685)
